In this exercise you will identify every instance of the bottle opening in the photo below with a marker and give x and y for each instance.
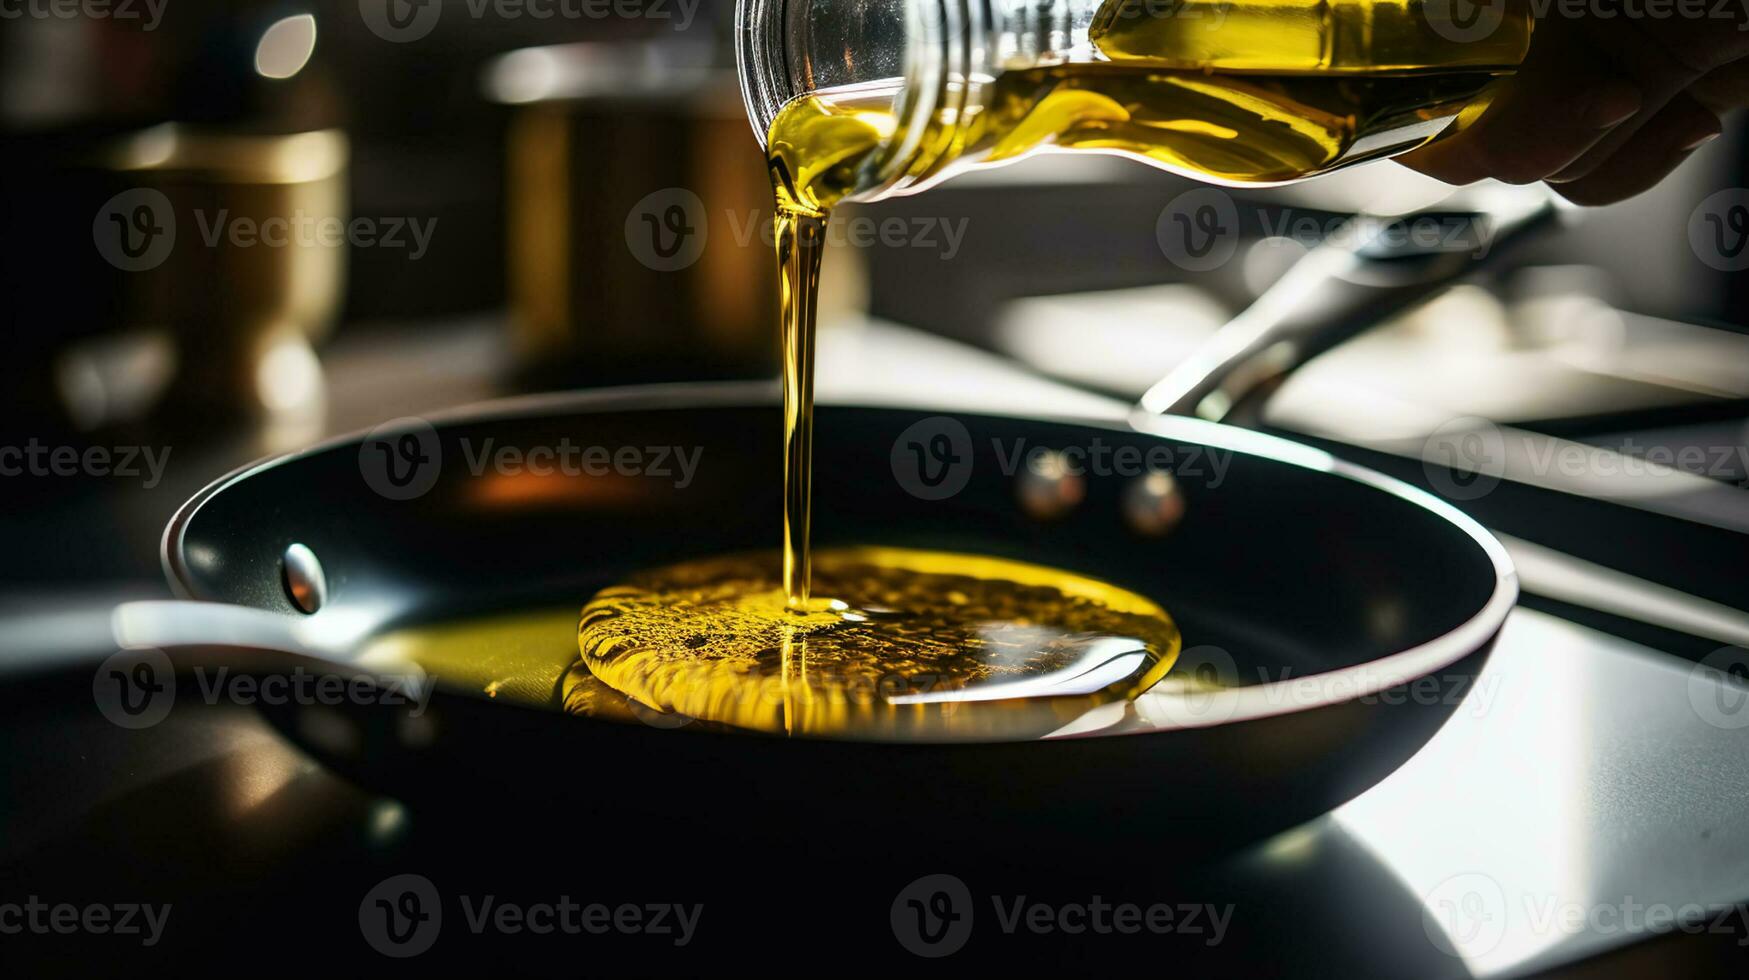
(785, 49)
(760, 62)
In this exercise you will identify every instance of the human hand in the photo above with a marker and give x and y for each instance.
(1610, 99)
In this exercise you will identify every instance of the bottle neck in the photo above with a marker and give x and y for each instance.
(961, 48)
(761, 61)
(931, 87)
(925, 64)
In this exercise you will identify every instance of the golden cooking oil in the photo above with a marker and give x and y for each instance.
(1366, 37)
(1223, 128)
(1228, 91)
(894, 644)
(801, 240)
(913, 645)
(513, 657)
(869, 643)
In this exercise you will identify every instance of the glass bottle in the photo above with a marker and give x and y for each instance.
(875, 98)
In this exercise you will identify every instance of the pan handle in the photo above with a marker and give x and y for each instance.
(1372, 270)
(195, 633)
(84, 632)
(190, 634)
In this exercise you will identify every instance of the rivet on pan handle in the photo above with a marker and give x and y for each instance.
(305, 581)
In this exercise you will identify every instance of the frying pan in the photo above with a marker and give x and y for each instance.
(1341, 613)
(1337, 588)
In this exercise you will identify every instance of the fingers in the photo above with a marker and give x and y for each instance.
(1603, 109)
(1660, 67)
(1562, 102)
(1655, 149)
(1724, 89)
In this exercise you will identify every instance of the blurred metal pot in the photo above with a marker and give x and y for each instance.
(638, 216)
(235, 246)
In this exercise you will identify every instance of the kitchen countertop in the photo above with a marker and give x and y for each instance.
(1584, 780)
(1587, 788)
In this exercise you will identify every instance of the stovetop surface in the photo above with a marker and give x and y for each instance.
(1587, 797)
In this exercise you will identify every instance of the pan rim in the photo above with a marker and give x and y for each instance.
(1380, 673)
(1226, 707)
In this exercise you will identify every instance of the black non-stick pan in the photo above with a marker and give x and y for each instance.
(1343, 614)
(1338, 617)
